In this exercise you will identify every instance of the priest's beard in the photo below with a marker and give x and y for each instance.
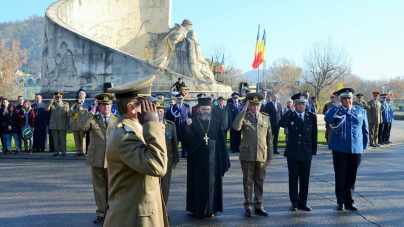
(205, 116)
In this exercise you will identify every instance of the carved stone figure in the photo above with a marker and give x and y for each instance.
(163, 48)
(65, 71)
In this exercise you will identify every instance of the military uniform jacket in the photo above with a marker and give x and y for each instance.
(362, 104)
(352, 135)
(385, 108)
(223, 115)
(171, 141)
(302, 140)
(328, 106)
(137, 158)
(75, 116)
(99, 134)
(59, 119)
(256, 144)
(375, 112)
(177, 116)
(391, 112)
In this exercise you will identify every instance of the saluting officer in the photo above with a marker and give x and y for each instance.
(375, 118)
(172, 149)
(360, 102)
(59, 122)
(300, 149)
(235, 136)
(137, 158)
(75, 115)
(100, 125)
(256, 151)
(350, 137)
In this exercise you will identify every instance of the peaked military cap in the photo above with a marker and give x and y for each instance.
(160, 96)
(58, 93)
(134, 89)
(359, 95)
(383, 96)
(235, 94)
(335, 93)
(201, 95)
(104, 98)
(376, 93)
(298, 98)
(79, 101)
(204, 102)
(388, 99)
(180, 96)
(220, 98)
(346, 92)
(159, 103)
(254, 97)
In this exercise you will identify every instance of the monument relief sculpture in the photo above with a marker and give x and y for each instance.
(164, 47)
(65, 71)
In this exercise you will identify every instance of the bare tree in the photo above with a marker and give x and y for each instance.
(11, 59)
(230, 72)
(326, 63)
(283, 77)
(234, 77)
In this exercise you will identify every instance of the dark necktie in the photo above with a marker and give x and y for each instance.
(300, 118)
(106, 121)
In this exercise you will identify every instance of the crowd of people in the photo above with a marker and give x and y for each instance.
(133, 145)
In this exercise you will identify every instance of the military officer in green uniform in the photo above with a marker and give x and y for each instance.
(75, 114)
(328, 131)
(100, 125)
(256, 151)
(137, 158)
(375, 118)
(172, 149)
(360, 102)
(59, 122)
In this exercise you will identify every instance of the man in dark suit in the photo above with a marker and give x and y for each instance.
(300, 148)
(194, 109)
(222, 114)
(265, 101)
(178, 114)
(274, 110)
(87, 104)
(235, 136)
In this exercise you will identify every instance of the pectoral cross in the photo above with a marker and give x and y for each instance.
(206, 138)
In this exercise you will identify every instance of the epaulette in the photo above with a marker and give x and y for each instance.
(263, 113)
(128, 129)
(120, 125)
(170, 122)
(65, 103)
(115, 115)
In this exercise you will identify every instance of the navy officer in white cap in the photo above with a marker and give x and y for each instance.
(350, 137)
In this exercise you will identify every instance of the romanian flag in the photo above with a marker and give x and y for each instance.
(222, 65)
(212, 66)
(259, 51)
(390, 92)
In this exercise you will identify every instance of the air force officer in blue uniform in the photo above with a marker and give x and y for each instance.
(300, 148)
(350, 137)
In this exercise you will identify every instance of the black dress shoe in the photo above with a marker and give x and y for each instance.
(351, 207)
(248, 213)
(54, 155)
(305, 207)
(261, 212)
(276, 152)
(98, 220)
(63, 154)
(377, 145)
(340, 207)
(293, 208)
(373, 145)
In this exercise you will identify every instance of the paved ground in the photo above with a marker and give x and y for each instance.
(41, 191)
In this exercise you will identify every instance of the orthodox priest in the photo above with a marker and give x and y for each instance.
(207, 159)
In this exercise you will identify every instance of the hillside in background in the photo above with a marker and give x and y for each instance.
(30, 34)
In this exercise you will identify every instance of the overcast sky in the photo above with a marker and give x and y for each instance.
(371, 30)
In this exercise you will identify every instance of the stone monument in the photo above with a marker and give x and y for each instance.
(89, 43)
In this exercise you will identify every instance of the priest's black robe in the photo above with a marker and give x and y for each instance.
(206, 165)
(41, 117)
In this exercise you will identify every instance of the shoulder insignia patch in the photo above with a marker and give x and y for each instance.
(128, 129)
(263, 113)
(120, 125)
(170, 122)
